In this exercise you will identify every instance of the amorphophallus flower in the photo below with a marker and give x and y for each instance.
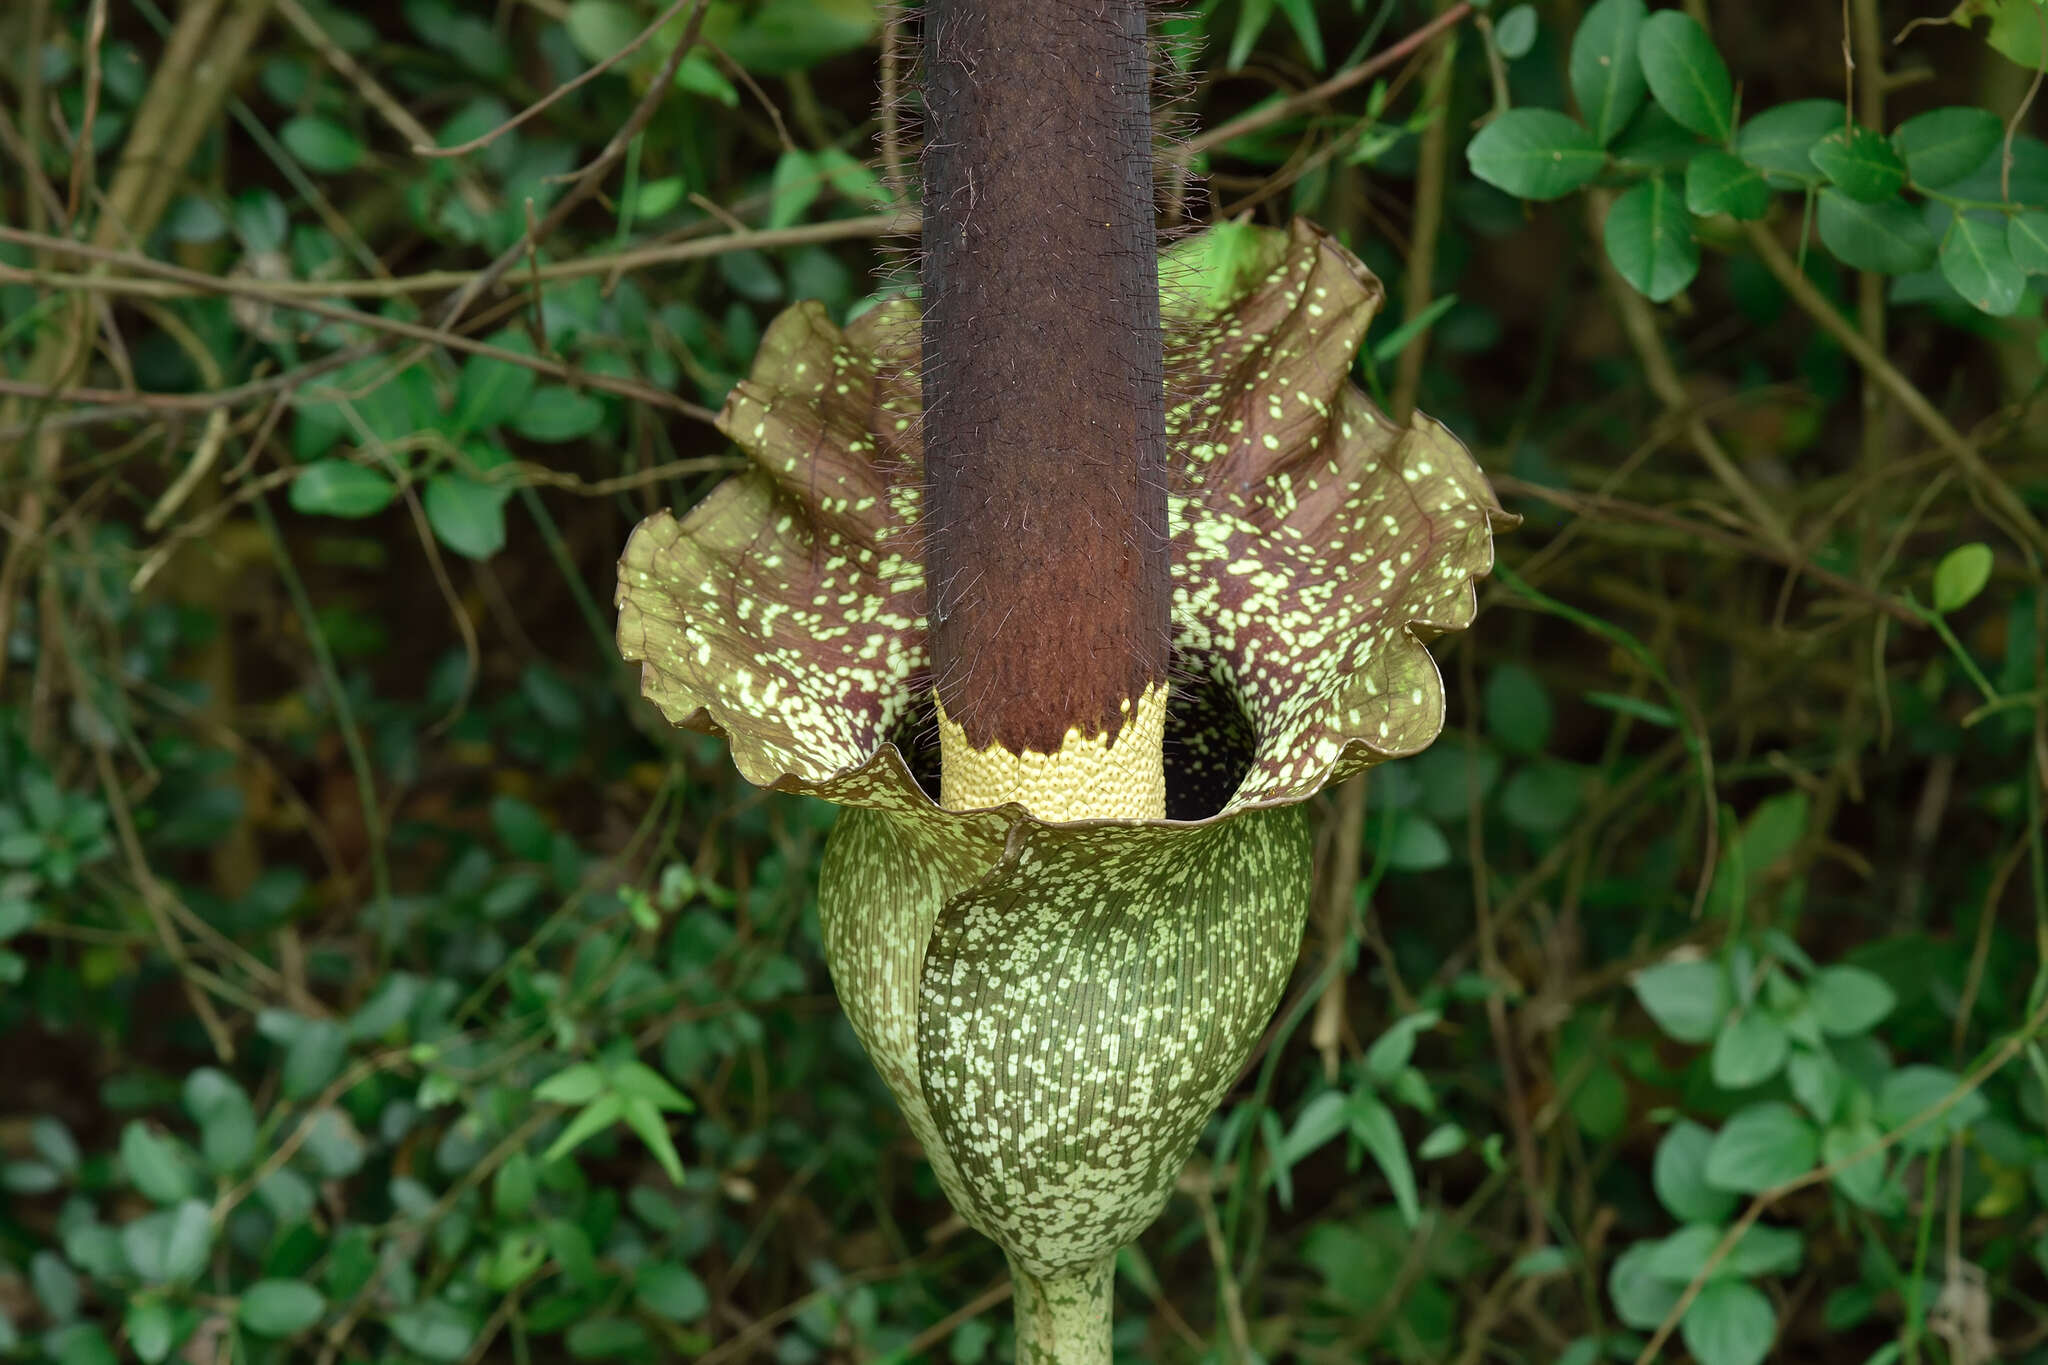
(1058, 1005)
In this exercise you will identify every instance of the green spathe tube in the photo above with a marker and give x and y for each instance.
(1058, 1006)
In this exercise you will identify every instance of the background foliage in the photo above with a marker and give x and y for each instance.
(381, 982)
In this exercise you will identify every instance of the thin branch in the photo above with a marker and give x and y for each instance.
(1317, 95)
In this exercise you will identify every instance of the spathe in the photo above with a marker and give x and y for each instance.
(1059, 1006)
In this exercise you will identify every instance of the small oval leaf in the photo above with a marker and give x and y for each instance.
(1861, 163)
(1606, 73)
(1721, 182)
(1535, 154)
(1978, 265)
(321, 145)
(1960, 576)
(1890, 238)
(1686, 74)
(1649, 239)
(1942, 146)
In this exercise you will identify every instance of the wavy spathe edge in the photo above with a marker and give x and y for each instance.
(1307, 529)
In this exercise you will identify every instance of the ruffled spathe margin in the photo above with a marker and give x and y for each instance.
(1315, 545)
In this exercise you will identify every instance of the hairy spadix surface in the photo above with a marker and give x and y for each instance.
(1058, 1006)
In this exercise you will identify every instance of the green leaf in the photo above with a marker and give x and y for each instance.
(671, 1291)
(1750, 1051)
(1942, 146)
(603, 1338)
(1912, 1091)
(514, 1259)
(1816, 1081)
(151, 1330)
(1762, 1146)
(1517, 709)
(280, 1308)
(170, 1246)
(1418, 844)
(1779, 140)
(321, 145)
(637, 1080)
(54, 1143)
(2026, 239)
(793, 188)
(1890, 238)
(1764, 1250)
(1679, 1175)
(1514, 33)
(227, 1121)
(656, 197)
(1251, 21)
(851, 178)
(2017, 32)
(2028, 177)
(1390, 1053)
(434, 1329)
(340, 488)
(155, 1164)
(1542, 1263)
(1636, 708)
(1679, 1258)
(1606, 73)
(1372, 1123)
(1721, 182)
(55, 1284)
(492, 391)
(600, 1114)
(698, 76)
(312, 1058)
(1654, 141)
(1730, 1323)
(1535, 154)
(468, 517)
(1862, 1181)
(1542, 796)
(1600, 1104)
(1850, 1000)
(644, 1118)
(1686, 74)
(1393, 343)
(81, 1343)
(781, 36)
(1641, 1299)
(1978, 265)
(578, 1084)
(1321, 1119)
(1687, 999)
(599, 28)
(1960, 576)
(513, 1187)
(1302, 15)
(1444, 1140)
(556, 414)
(1649, 239)
(1860, 162)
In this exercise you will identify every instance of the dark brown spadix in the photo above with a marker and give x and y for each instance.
(1044, 445)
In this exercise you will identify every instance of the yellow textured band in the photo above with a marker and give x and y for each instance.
(1089, 777)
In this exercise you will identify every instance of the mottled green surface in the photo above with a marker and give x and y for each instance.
(1086, 1004)
(1059, 1007)
(1064, 1319)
